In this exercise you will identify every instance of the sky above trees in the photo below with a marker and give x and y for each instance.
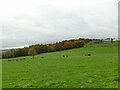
(25, 22)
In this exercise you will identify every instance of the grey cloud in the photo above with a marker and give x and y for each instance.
(50, 23)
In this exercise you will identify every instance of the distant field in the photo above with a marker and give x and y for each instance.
(52, 70)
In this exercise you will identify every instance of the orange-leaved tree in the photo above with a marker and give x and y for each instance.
(32, 52)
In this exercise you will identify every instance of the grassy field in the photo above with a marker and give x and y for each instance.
(52, 70)
(0, 74)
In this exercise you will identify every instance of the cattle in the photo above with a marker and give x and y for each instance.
(65, 55)
(17, 60)
(9, 60)
(23, 58)
(87, 54)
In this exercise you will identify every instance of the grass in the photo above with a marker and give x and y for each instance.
(52, 70)
(0, 74)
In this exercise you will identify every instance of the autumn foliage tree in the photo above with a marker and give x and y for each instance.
(68, 45)
(51, 48)
(78, 43)
(58, 47)
(32, 52)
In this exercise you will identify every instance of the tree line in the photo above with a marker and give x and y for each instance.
(43, 48)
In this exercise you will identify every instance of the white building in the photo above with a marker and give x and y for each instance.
(108, 40)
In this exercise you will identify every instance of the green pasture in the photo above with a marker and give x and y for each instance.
(65, 69)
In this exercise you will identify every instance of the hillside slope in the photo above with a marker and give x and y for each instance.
(65, 69)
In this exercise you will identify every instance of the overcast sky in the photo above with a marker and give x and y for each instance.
(25, 22)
